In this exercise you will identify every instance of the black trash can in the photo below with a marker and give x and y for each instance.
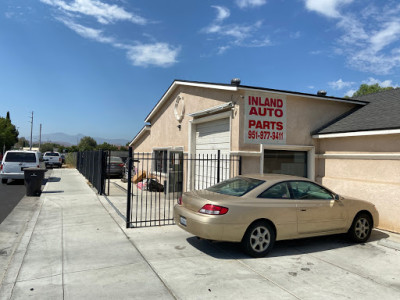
(33, 180)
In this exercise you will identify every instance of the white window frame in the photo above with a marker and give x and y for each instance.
(168, 149)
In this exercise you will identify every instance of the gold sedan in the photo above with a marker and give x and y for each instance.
(258, 209)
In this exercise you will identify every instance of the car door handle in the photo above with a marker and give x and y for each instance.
(303, 209)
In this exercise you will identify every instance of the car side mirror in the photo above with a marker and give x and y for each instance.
(337, 197)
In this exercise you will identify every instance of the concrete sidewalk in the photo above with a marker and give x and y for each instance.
(73, 245)
(73, 249)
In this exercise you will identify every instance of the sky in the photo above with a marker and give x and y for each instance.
(98, 67)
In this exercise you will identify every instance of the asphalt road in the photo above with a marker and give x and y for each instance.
(10, 195)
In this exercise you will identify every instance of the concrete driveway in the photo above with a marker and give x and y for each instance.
(314, 268)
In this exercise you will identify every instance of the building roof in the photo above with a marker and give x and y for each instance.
(233, 87)
(381, 113)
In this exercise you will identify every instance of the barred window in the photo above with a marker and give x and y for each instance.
(160, 161)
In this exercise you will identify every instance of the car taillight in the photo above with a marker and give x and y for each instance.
(210, 209)
(1, 167)
(180, 200)
(121, 165)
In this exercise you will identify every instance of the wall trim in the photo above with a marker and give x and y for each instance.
(366, 156)
(356, 133)
(246, 153)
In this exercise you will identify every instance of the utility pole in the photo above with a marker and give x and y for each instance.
(30, 147)
(40, 136)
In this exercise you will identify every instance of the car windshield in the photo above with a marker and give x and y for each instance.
(20, 157)
(237, 186)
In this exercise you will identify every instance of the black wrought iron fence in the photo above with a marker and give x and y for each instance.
(157, 180)
(92, 165)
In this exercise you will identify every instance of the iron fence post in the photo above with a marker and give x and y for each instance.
(128, 196)
(218, 165)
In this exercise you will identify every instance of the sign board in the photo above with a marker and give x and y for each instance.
(265, 118)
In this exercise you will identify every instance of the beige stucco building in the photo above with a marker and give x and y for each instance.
(350, 145)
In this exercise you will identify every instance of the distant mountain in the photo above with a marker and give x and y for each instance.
(69, 140)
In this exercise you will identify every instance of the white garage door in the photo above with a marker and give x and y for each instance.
(211, 137)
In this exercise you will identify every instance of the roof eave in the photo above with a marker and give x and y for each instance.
(140, 133)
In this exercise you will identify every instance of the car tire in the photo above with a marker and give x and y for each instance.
(361, 228)
(258, 239)
(4, 180)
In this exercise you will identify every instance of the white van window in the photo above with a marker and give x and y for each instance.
(20, 157)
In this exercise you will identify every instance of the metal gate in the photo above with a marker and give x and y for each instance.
(156, 181)
(92, 165)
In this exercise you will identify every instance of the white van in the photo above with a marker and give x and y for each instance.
(15, 161)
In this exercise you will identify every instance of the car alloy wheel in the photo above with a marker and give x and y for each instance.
(361, 228)
(259, 239)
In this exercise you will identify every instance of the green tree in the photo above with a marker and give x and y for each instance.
(366, 89)
(87, 143)
(107, 146)
(8, 133)
(73, 148)
(47, 147)
(22, 142)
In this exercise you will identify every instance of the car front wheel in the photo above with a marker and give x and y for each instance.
(361, 228)
(4, 180)
(258, 239)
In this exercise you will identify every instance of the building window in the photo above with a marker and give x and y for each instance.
(160, 161)
(285, 162)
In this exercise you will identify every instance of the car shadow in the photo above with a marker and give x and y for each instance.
(228, 250)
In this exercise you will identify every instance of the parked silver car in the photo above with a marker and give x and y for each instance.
(115, 166)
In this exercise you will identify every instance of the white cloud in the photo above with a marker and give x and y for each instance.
(295, 35)
(384, 83)
(370, 38)
(103, 12)
(250, 3)
(158, 54)
(387, 35)
(350, 93)
(139, 54)
(87, 32)
(340, 84)
(222, 13)
(328, 8)
(235, 34)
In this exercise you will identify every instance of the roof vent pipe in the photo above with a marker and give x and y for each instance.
(235, 81)
(321, 93)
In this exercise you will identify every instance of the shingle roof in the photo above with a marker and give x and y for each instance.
(382, 112)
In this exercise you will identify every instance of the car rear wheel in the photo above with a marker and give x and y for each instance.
(258, 239)
(361, 228)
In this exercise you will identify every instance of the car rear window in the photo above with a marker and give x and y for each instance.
(20, 157)
(116, 159)
(51, 154)
(237, 186)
